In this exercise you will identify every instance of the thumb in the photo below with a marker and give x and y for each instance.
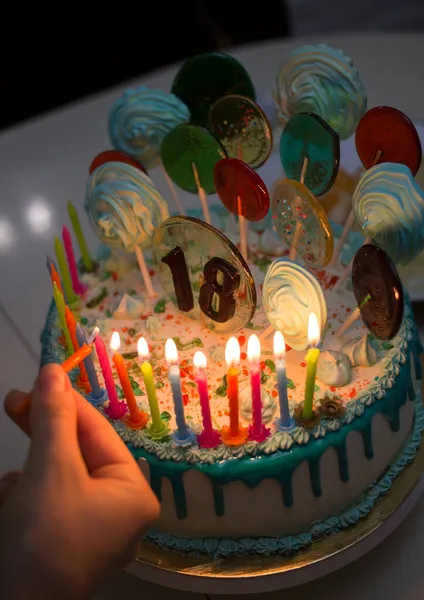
(53, 420)
(7, 483)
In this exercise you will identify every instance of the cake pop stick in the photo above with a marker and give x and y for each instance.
(353, 317)
(201, 194)
(298, 230)
(144, 272)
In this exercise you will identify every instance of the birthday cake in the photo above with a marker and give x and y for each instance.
(269, 394)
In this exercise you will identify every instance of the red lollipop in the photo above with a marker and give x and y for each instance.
(115, 156)
(385, 134)
(242, 191)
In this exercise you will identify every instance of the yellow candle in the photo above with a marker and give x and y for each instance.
(60, 305)
(312, 357)
(158, 427)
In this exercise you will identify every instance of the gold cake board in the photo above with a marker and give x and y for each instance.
(253, 574)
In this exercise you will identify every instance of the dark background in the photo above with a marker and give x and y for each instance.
(51, 58)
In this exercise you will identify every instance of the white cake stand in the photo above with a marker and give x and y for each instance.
(255, 574)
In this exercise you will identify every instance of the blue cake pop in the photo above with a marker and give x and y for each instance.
(321, 80)
(141, 118)
(124, 206)
(389, 207)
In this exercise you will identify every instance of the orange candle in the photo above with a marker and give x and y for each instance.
(55, 278)
(72, 327)
(234, 434)
(137, 418)
(75, 359)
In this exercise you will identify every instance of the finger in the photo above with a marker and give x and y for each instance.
(16, 406)
(53, 422)
(7, 483)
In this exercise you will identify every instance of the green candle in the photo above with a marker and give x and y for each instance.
(312, 357)
(82, 244)
(72, 298)
(158, 429)
(61, 311)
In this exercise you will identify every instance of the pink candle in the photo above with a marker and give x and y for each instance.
(257, 430)
(116, 409)
(79, 288)
(209, 438)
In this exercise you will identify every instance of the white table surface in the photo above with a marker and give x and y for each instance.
(44, 163)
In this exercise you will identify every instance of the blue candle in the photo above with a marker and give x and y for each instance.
(98, 394)
(285, 421)
(183, 434)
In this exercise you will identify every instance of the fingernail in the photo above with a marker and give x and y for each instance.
(52, 379)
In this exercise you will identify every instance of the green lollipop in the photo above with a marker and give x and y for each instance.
(204, 79)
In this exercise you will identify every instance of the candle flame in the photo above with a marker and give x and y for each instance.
(199, 360)
(279, 345)
(171, 352)
(232, 352)
(115, 341)
(142, 348)
(253, 348)
(313, 330)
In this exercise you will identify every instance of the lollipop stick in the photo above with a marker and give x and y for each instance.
(266, 333)
(353, 317)
(202, 195)
(346, 229)
(202, 314)
(347, 271)
(175, 196)
(242, 229)
(145, 272)
(377, 158)
(298, 230)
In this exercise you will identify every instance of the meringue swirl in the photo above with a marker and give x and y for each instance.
(324, 81)
(141, 118)
(334, 368)
(360, 352)
(124, 206)
(289, 294)
(389, 207)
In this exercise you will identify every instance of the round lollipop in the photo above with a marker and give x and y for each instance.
(289, 294)
(324, 81)
(204, 79)
(378, 291)
(385, 134)
(301, 222)
(125, 209)
(242, 192)
(189, 154)
(204, 274)
(114, 156)
(310, 148)
(139, 121)
(243, 129)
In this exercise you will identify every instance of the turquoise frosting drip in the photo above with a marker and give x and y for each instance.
(324, 81)
(124, 206)
(389, 207)
(140, 120)
(221, 547)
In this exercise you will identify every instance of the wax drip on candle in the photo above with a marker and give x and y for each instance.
(183, 435)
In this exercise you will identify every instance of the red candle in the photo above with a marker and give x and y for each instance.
(79, 288)
(257, 430)
(209, 438)
(116, 409)
(137, 418)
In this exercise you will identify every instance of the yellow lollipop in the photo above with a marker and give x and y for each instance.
(302, 223)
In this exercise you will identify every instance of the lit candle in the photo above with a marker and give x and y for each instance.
(235, 434)
(137, 418)
(183, 435)
(209, 438)
(257, 430)
(116, 409)
(158, 428)
(64, 272)
(72, 327)
(285, 421)
(312, 357)
(82, 244)
(60, 306)
(76, 359)
(97, 395)
(78, 287)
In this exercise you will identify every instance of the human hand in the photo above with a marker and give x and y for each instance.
(80, 504)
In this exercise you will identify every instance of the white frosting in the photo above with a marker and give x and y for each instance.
(245, 399)
(334, 368)
(360, 352)
(129, 308)
(153, 326)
